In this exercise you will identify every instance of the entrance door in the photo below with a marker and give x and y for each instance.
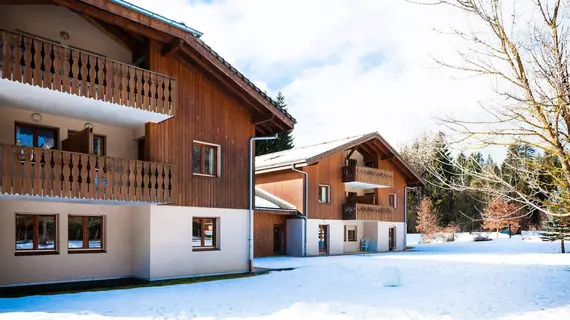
(323, 238)
(278, 239)
(392, 238)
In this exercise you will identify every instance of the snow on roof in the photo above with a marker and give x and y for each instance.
(301, 154)
(265, 200)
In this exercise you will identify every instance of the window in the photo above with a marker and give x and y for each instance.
(29, 135)
(99, 143)
(35, 232)
(392, 200)
(350, 233)
(204, 233)
(370, 164)
(352, 162)
(85, 233)
(205, 159)
(324, 194)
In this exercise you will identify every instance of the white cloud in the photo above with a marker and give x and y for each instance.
(345, 67)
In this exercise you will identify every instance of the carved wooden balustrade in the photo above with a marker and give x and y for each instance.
(367, 175)
(38, 172)
(41, 63)
(362, 211)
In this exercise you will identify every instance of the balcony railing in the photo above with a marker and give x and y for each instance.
(367, 175)
(362, 211)
(49, 65)
(38, 172)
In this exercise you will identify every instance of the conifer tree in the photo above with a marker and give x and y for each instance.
(284, 139)
(556, 230)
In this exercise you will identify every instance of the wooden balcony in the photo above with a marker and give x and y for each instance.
(364, 211)
(44, 64)
(40, 173)
(367, 178)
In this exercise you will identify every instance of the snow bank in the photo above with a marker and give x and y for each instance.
(503, 279)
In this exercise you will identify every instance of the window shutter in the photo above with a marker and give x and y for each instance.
(345, 233)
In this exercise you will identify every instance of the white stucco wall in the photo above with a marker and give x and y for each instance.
(120, 142)
(114, 263)
(295, 237)
(354, 246)
(336, 236)
(141, 242)
(378, 232)
(171, 253)
(48, 21)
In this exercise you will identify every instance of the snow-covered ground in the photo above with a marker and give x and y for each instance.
(503, 279)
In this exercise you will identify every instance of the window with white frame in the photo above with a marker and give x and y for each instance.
(393, 200)
(324, 194)
(206, 159)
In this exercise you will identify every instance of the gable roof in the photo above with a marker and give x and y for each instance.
(178, 37)
(267, 201)
(309, 155)
(151, 14)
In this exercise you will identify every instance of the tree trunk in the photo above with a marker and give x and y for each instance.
(562, 246)
(497, 234)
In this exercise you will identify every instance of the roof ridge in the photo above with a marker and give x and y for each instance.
(318, 144)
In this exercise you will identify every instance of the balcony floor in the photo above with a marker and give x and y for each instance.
(363, 185)
(73, 200)
(36, 99)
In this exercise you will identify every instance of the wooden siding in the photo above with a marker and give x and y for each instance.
(383, 194)
(264, 222)
(285, 184)
(204, 114)
(326, 172)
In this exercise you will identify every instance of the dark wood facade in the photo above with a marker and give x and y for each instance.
(207, 115)
(287, 185)
(265, 226)
(210, 101)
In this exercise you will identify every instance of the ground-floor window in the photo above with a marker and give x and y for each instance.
(35, 232)
(350, 233)
(204, 233)
(85, 233)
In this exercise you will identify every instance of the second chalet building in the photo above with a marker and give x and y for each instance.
(124, 146)
(347, 190)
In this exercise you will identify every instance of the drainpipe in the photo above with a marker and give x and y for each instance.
(306, 209)
(251, 193)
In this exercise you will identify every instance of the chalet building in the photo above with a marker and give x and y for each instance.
(124, 146)
(356, 190)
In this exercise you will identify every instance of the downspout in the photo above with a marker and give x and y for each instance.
(306, 207)
(251, 193)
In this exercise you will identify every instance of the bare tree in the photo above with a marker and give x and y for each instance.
(526, 55)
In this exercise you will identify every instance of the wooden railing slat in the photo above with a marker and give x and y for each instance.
(7, 158)
(109, 178)
(37, 57)
(83, 174)
(37, 172)
(6, 42)
(117, 179)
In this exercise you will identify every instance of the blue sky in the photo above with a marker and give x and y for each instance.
(345, 67)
